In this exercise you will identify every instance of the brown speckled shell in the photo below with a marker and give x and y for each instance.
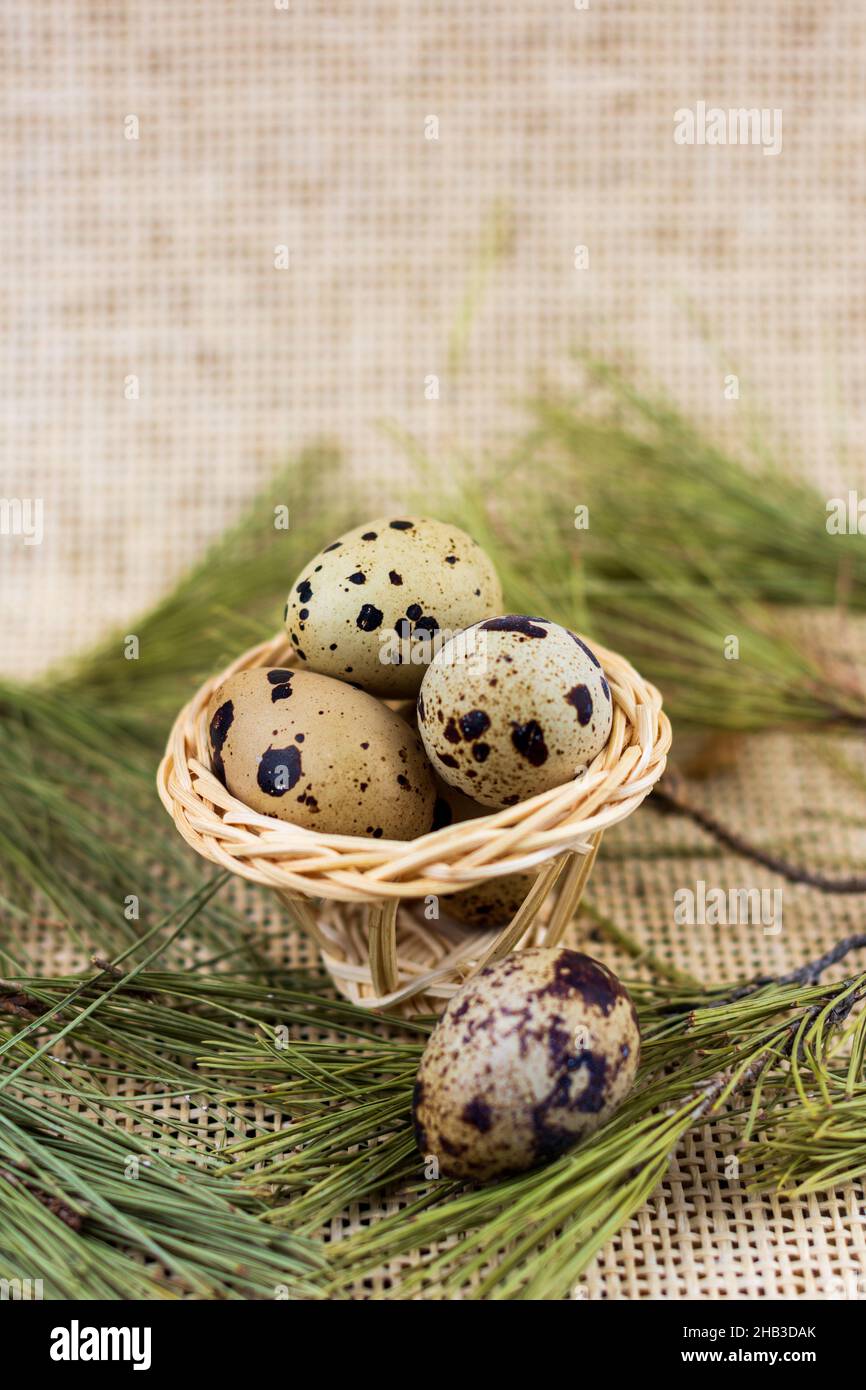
(408, 576)
(515, 707)
(335, 760)
(530, 1057)
(490, 904)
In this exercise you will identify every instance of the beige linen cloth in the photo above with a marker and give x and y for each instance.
(230, 228)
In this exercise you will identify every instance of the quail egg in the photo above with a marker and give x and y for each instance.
(372, 607)
(531, 1056)
(513, 707)
(489, 904)
(313, 751)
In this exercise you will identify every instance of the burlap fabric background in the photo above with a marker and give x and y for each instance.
(157, 363)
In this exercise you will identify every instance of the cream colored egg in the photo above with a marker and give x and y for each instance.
(513, 707)
(489, 904)
(313, 751)
(373, 606)
(530, 1057)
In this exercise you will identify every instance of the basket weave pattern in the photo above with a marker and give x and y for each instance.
(382, 954)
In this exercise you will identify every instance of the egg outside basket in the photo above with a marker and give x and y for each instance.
(367, 902)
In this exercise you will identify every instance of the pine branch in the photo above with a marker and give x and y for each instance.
(669, 794)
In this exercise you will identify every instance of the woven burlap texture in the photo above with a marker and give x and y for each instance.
(163, 161)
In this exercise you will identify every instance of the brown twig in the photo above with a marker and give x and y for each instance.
(73, 1219)
(710, 1092)
(109, 968)
(668, 795)
(15, 1001)
(808, 974)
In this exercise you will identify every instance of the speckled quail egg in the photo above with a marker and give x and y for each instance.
(372, 607)
(530, 1056)
(513, 707)
(313, 751)
(489, 904)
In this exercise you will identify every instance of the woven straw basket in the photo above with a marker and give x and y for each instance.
(364, 900)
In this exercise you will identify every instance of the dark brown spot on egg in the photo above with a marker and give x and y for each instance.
(474, 724)
(369, 618)
(584, 648)
(575, 973)
(219, 728)
(394, 577)
(419, 1129)
(452, 733)
(580, 698)
(420, 1132)
(279, 770)
(559, 1045)
(329, 548)
(304, 591)
(481, 752)
(414, 611)
(594, 1094)
(449, 1147)
(357, 578)
(528, 739)
(550, 1140)
(476, 1112)
(369, 536)
(447, 759)
(401, 525)
(516, 622)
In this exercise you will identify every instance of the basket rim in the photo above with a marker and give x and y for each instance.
(305, 863)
